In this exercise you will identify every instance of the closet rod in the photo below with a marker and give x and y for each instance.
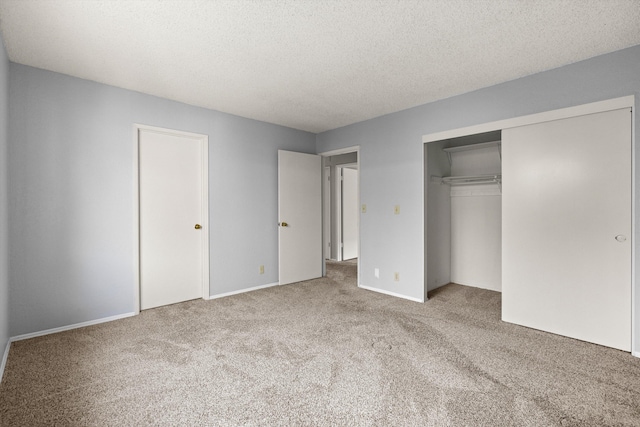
(472, 179)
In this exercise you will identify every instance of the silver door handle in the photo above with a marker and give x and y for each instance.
(621, 238)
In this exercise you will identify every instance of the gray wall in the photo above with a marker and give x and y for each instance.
(71, 184)
(391, 155)
(71, 196)
(4, 240)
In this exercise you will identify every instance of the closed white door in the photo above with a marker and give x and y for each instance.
(566, 234)
(300, 216)
(172, 236)
(350, 213)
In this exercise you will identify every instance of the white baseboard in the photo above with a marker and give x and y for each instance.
(69, 327)
(635, 353)
(393, 294)
(242, 291)
(4, 359)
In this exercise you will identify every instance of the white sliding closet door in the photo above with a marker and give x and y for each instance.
(566, 227)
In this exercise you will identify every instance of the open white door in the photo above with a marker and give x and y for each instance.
(350, 213)
(566, 227)
(299, 216)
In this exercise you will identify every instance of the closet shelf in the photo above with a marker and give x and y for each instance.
(472, 146)
(497, 144)
(472, 180)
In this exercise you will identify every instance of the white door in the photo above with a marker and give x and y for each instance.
(299, 216)
(567, 227)
(172, 217)
(326, 206)
(350, 212)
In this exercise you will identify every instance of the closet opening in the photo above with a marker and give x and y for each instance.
(553, 237)
(463, 212)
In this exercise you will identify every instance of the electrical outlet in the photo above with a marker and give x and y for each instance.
(376, 272)
(396, 210)
(262, 269)
(396, 276)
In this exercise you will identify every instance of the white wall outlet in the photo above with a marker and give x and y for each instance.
(396, 209)
(262, 269)
(396, 276)
(376, 272)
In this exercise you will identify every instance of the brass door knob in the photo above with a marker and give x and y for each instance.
(198, 226)
(284, 224)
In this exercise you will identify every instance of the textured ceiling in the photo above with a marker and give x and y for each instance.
(312, 65)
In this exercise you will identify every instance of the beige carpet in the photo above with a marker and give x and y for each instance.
(321, 352)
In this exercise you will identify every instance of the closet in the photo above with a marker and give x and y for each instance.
(525, 210)
(465, 191)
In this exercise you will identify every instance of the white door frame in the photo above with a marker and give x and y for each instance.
(326, 211)
(353, 149)
(204, 140)
(579, 110)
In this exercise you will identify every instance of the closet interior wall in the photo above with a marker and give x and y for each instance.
(463, 222)
(437, 217)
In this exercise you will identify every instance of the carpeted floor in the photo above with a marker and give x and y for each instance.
(321, 352)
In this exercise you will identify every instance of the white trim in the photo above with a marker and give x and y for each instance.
(634, 309)
(355, 148)
(70, 327)
(242, 291)
(204, 139)
(5, 356)
(206, 280)
(337, 213)
(393, 294)
(136, 220)
(423, 219)
(563, 113)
